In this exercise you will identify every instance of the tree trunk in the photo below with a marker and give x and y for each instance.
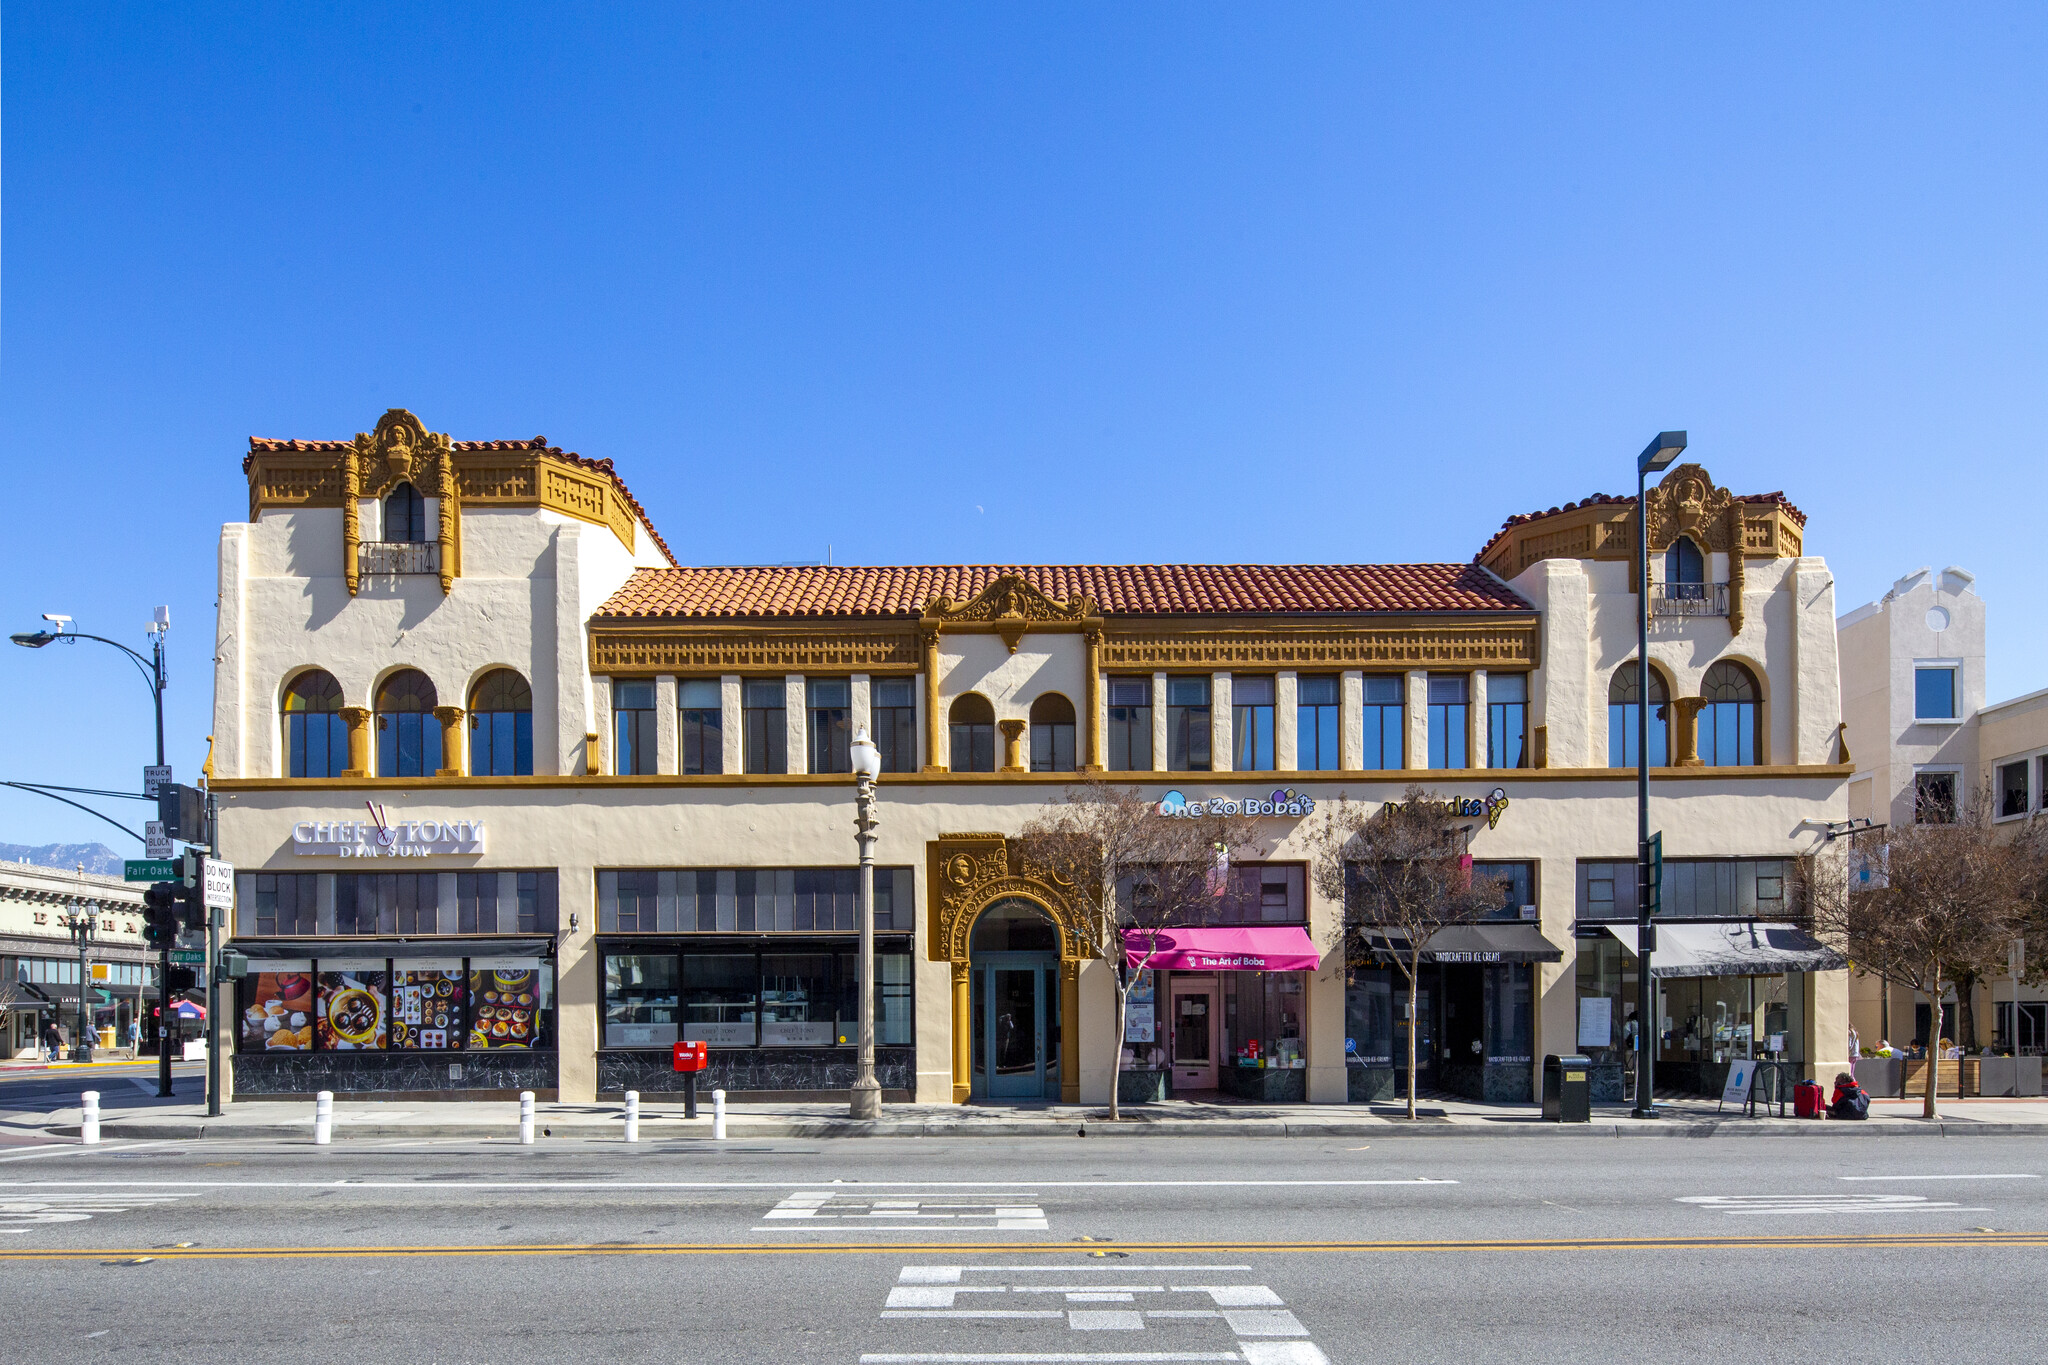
(1931, 1107)
(1411, 1039)
(1116, 1052)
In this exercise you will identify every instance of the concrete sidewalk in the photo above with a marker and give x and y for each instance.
(499, 1119)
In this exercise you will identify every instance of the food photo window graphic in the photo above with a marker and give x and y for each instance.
(403, 1005)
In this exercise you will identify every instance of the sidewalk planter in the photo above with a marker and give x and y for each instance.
(1880, 1076)
(1369, 1084)
(1948, 1078)
(1269, 1085)
(1143, 1087)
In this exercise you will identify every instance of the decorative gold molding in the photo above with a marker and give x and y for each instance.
(855, 647)
(1500, 644)
(1013, 745)
(1009, 606)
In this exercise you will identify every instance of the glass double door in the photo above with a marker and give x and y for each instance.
(1016, 1025)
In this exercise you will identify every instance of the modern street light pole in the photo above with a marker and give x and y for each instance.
(153, 676)
(1656, 458)
(866, 1099)
(79, 924)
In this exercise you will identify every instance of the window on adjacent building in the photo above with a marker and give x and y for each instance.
(1318, 729)
(408, 736)
(633, 727)
(700, 707)
(1251, 724)
(892, 709)
(1187, 725)
(1934, 693)
(831, 725)
(1727, 736)
(1052, 734)
(1934, 798)
(501, 726)
(764, 718)
(1386, 723)
(973, 733)
(405, 514)
(1624, 694)
(1130, 725)
(2012, 788)
(315, 736)
(1507, 720)
(1449, 722)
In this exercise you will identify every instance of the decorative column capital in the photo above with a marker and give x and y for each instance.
(1013, 745)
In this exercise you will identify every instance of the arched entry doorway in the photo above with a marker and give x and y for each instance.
(1014, 1000)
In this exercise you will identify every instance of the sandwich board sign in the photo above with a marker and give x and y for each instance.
(1741, 1076)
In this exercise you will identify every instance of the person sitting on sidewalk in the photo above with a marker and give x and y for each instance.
(1850, 1100)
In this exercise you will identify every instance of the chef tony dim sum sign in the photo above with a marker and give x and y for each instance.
(383, 837)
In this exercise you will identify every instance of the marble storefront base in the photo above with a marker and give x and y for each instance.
(782, 1073)
(1370, 1084)
(1608, 1081)
(1142, 1087)
(394, 1075)
(1270, 1085)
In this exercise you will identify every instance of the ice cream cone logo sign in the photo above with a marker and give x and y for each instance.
(1287, 802)
(380, 836)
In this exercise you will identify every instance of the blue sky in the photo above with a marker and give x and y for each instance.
(931, 283)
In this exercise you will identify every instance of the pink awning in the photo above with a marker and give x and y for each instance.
(1265, 948)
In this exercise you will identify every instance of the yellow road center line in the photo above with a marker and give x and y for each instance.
(1874, 1241)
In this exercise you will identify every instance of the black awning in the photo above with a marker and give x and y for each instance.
(1492, 941)
(298, 950)
(1732, 948)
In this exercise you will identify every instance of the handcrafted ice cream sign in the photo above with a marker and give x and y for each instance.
(382, 837)
(1175, 806)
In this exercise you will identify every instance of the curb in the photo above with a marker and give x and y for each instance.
(654, 1129)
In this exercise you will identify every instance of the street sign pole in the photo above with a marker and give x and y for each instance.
(219, 881)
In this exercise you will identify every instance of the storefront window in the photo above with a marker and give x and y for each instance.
(1264, 893)
(277, 1014)
(640, 1000)
(513, 1001)
(720, 998)
(1516, 882)
(1144, 1041)
(287, 902)
(1369, 1017)
(1262, 1018)
(428, 1002)
(1606, 992)
(892, 999)
(797, 1004)
(1510, 1014)
(351, 1011)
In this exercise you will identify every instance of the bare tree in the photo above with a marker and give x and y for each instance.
(1399, 868)
(1126, 866)
(1939, 905)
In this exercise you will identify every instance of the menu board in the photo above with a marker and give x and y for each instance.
(279, 1017)
(509, 1004)
(352, 1013)
(427, 1006)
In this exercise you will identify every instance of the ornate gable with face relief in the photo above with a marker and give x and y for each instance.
(1686, 503)
(402, 450)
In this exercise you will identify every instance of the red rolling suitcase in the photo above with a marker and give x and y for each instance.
(1808, 1101)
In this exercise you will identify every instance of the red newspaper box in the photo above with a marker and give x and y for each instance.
(690, 1057)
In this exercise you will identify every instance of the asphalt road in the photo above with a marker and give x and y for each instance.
(892, 1251)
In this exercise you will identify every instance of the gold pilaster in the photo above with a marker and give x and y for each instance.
(451, 741)
(934, 723)
(963, 1034)
(1091, 727)
(357, 718)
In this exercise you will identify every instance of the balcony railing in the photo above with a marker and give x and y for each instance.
(398, 556)
(1688, 599)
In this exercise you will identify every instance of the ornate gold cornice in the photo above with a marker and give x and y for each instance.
(1503, 644)
(854, 647)
(1009, 606)
(1685, 502)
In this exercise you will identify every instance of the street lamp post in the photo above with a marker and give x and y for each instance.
(153, 676)
(1656, 458)
(79, 924)
(866, 1100)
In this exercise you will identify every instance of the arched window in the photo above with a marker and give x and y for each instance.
(315, 737)
(405, 514)
(974, 734)
(1052, 734)
(1623, 695)
(1685, 572)
(501, 726)
(408, 737)
(1728, 720)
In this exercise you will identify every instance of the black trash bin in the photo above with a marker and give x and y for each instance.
(1567, 1089)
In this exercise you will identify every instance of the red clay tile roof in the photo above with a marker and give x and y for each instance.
(540, 443)
(1116, 589)
(1599, 499)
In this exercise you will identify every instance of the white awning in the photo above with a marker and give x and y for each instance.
(1732, 948)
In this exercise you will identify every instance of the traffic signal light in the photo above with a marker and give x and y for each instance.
(183, 812)
(1657, 872)
(181, 979)
(160, 913)
(192, 891)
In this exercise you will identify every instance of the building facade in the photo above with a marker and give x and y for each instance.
(39, 964)
(1926, 746)
(610, 801)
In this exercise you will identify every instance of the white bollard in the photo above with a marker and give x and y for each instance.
(323, 1118)
(89, 1126)
(718, 1114)
(632, 1116)
(526, 1118)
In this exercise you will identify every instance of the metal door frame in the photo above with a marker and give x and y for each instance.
(1213, 987)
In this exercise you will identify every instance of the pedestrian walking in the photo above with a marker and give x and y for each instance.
(52, 1042)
